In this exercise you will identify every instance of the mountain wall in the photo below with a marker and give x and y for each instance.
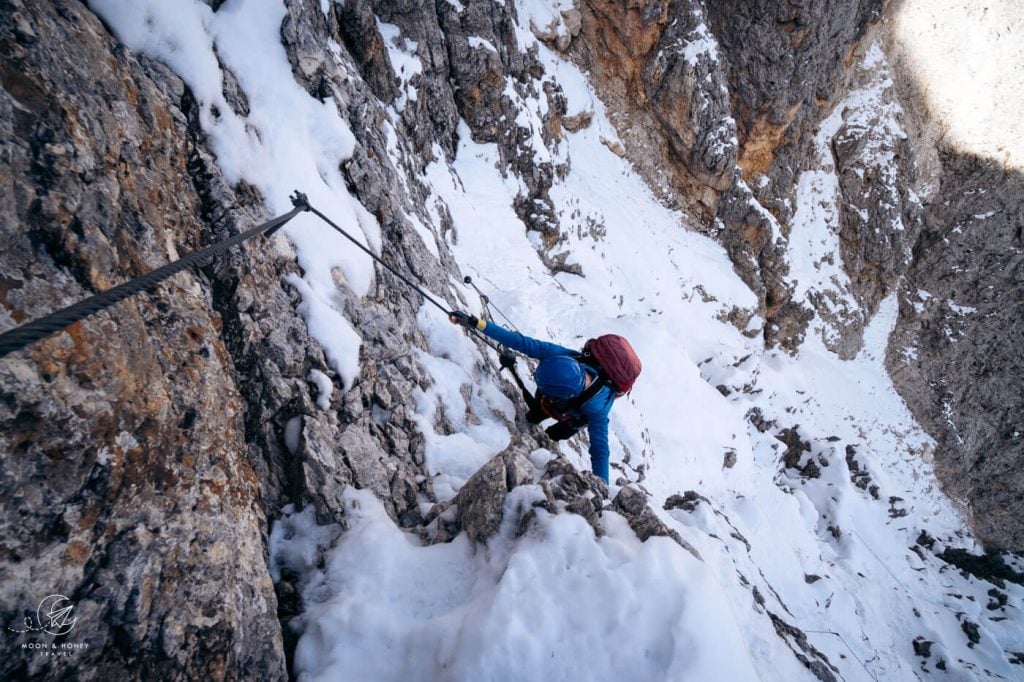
(724, 128)
(131, 480)
(145, 450)
(953, 354)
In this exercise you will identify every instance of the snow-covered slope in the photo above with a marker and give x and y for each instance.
(814, 508)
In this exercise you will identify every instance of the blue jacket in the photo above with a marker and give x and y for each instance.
(595, 410)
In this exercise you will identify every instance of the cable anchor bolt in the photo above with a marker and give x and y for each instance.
(299, 200)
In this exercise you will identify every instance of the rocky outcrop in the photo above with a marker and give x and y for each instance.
(632, 503)
(717, 104)
(126, 477)
(481, 505)
(480, 502)
(656, 66)
(954, 354)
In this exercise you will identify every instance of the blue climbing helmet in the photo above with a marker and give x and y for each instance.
(559, 376)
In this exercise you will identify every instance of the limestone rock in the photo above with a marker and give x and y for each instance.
(481, 500)
(126, 481)
(165, 433)
(632, 503)
(953, 356)
(667, 93)
(785, 65)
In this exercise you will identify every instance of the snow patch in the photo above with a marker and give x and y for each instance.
(324, 388)
(478, 42)
(402, 53)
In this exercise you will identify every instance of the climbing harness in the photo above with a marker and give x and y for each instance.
(539, 406)
(567, 411)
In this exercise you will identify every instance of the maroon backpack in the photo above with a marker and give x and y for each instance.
(615, 358)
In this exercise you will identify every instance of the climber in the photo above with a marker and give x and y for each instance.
(575, 388)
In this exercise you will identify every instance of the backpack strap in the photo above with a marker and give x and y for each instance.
(585, 357)
(599, 382)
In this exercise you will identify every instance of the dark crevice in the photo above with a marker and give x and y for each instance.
(281, 474)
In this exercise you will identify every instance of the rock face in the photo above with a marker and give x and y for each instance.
(903, 210)
(481, 506)
(786, 63)
(656, 66)
(714, 99)
(145, 449)
(126, 479)
(955, 353)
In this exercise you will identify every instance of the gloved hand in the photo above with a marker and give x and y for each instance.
(561, 430)
(466, 320)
